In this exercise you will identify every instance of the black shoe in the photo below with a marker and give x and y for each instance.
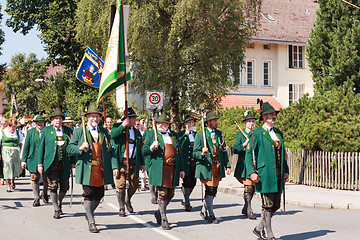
(122, 212)
(113, 185)
(157, 217)
(165, 225)
(36, 203)
(154, 201)
(212, 219)
(188, 208)
(129, 207)
(260, 235)
(92, 228)
(57, 214)
(45, 197)
(251, 216)
(61, 211)
(244, 212)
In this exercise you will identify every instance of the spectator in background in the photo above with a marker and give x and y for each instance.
(108, 124)
(11, 142)
(3, 125)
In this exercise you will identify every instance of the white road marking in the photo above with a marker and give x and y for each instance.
(136, 219)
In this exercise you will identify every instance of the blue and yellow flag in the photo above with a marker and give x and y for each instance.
(88, 71)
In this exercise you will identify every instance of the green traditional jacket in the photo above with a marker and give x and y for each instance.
(83, 163)
(30, 154)
(157, 156)
(147, 159)
(118, 134)
(264, 150)
(204, 163)
(240, 169)
(47, 149)
(186, 150)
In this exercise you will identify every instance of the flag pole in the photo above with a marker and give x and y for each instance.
(102, 99)
(125, 90)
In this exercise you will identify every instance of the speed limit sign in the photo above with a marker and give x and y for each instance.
(154, 100)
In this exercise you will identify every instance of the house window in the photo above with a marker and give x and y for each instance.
(250, 45)
(267, 73)
(250, 69)
(266, 46)
(296, 56)
(296, 91)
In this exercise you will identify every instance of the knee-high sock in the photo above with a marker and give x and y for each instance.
(268, 229)
(89, 211)
(209, 200)
(248, 200)
(121, 199)
(95, 204)
(187, 192)
(153, 191)
(162, 209)
(61, 196)
(261, 224)
(54, 201)
(36, 190)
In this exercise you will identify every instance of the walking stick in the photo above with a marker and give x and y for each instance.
(204, 138)
(284, 199)
(241, 130)
(72, 187)
(253, 150)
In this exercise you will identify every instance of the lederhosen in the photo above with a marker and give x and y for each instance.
(189, 181)
(133, 181)
(271, 201)
(211, 185)
(95, 189)
(56, 170)
(166, 191)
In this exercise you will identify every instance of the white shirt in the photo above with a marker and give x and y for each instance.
(167, 138)
(191, 136)
(272, 134)
(212, 135)
(11, 135)
(59, 133)
(132, 147)
(94, 131)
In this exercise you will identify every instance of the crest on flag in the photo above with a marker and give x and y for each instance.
(88, 71)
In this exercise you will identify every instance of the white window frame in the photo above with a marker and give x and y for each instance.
(269, 73)
(295, 58)
(253, 72)
(295, 92)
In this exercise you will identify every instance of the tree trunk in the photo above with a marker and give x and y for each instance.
(174, 111)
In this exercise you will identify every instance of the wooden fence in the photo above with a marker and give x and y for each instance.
(321, 169)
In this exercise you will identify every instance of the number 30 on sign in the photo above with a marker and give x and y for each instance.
(154, 100)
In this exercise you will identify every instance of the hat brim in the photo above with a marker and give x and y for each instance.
(56, 116)
(93, 112)
(211, 118)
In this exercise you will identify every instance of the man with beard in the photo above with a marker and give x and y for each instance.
(96, 162)
(165, 165)
(30, 160)
(187, 138)
(241, 141)
(212, 159)
(54, 161)
(129, 165)
(268, 168)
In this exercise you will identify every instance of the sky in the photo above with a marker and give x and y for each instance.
(18, 43)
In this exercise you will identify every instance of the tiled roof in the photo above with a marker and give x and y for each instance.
(240, 100)
(294, 20)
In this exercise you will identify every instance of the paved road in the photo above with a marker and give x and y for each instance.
(19, 220)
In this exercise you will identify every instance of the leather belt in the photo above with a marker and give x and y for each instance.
(96, 162)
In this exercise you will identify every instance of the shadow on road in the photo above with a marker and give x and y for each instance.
(307, 235)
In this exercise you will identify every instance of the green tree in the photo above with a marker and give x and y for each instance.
(329, 121)
(93, 24)
(21, 80)
(2, 33)
(55, 21)
(334, 45)
(187, 48)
